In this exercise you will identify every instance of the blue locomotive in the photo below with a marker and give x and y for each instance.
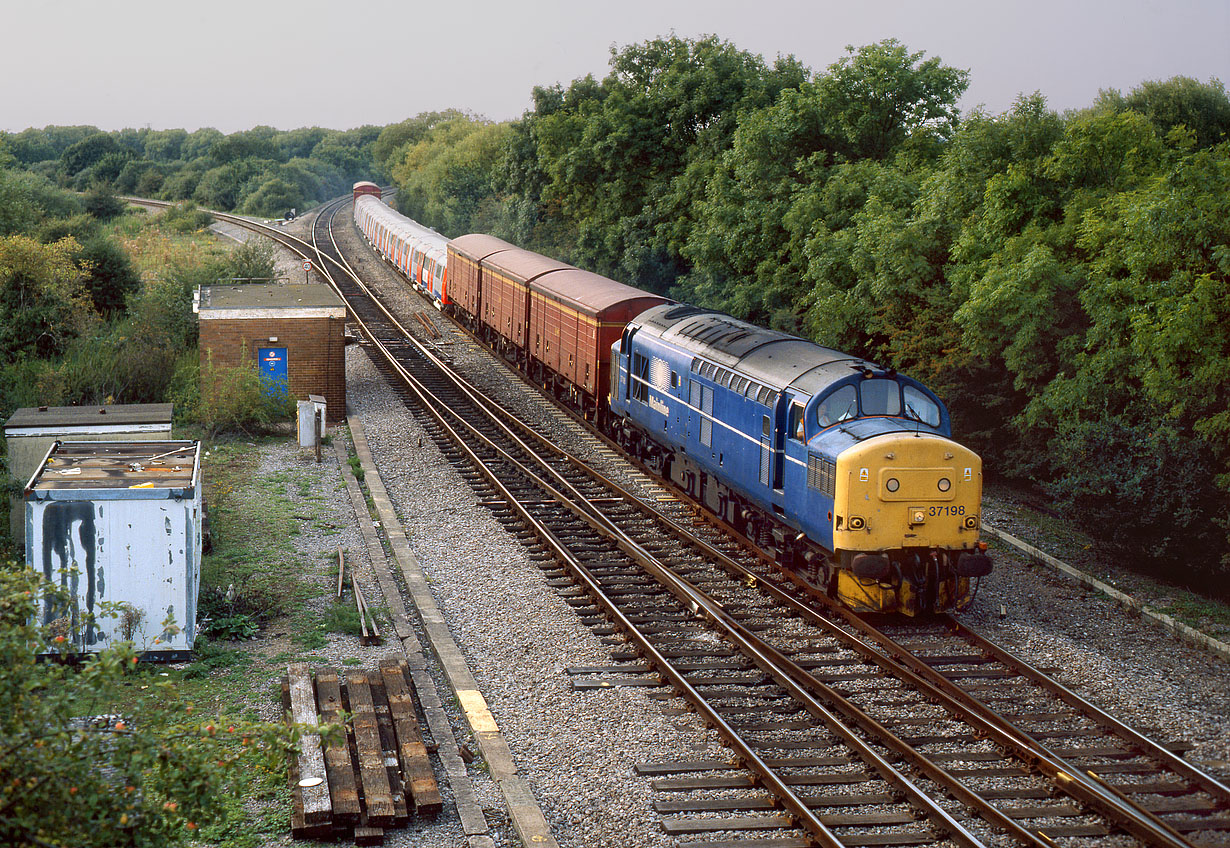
(843, 470)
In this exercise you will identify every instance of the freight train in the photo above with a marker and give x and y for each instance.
(844, 472)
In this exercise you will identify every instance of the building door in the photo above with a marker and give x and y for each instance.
(272, 362)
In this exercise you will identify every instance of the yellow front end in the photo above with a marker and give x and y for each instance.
(914, 499)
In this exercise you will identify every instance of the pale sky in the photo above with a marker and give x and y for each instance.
(234, 65)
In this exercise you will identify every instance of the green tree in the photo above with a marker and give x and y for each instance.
(445, 179)
(1201, 108)
(86, 153)
(109, 275)
(881, 93)
(274, 197)
(396, 137)
(43, 300)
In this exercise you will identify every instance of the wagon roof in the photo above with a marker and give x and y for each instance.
(523, 264)
(587, 292)
(479, 246)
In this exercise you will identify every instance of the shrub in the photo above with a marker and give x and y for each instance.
(186, 217)
(76, 774)
(236, 397)
(103, 204)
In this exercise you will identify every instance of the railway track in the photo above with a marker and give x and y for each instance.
(841, 733)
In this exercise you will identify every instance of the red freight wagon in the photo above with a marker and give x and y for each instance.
(506, 292)
(465, 257)
(575, 318)
(366, 187)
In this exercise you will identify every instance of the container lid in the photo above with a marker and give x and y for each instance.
(115, 466)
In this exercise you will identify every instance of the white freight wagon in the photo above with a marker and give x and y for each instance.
(118, 525)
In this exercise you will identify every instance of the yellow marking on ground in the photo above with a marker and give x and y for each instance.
(475, 707)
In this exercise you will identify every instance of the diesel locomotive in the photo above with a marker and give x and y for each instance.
(841, 470)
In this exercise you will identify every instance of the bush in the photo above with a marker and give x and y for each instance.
(253, 260)
(110, 276)
(103, 204)
(76, 774)
(82, 227)
(186, 218)
(237, 398)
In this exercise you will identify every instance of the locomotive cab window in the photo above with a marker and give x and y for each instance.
(880, 397)
(920, 407)
(796, 421)
(838, 406)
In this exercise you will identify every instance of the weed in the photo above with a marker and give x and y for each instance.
(232, 627)
(210, 656)
(356, 467)
(311, 640)
(342, 617)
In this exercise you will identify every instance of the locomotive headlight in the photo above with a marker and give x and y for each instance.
(971, 522)
(857, 523)
(945, 484)
(892, 484)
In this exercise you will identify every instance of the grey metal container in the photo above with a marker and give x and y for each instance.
(118, 524)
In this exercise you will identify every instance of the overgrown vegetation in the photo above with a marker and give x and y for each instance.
(86, 763)
(1062, 281)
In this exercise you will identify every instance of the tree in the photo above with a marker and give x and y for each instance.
(274, 197)
(395, 137)
(880, 94)
(43, 299)
(445, 179)
(1203, 108)
(87, 152)
(110, 277)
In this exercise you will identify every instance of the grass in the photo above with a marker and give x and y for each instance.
(254, 518)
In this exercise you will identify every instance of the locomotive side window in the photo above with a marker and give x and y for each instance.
(920, 407)
(880, 397)
(639, 376)
(838, 406)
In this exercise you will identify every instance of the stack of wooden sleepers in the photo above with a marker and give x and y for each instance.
(375, 779)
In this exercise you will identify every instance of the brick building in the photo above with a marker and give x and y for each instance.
(292, 332)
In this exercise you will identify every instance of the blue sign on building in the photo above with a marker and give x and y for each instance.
(273, 369)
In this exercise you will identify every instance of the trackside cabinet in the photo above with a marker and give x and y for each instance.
(118, 524)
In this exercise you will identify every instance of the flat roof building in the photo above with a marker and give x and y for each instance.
(293, 333)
